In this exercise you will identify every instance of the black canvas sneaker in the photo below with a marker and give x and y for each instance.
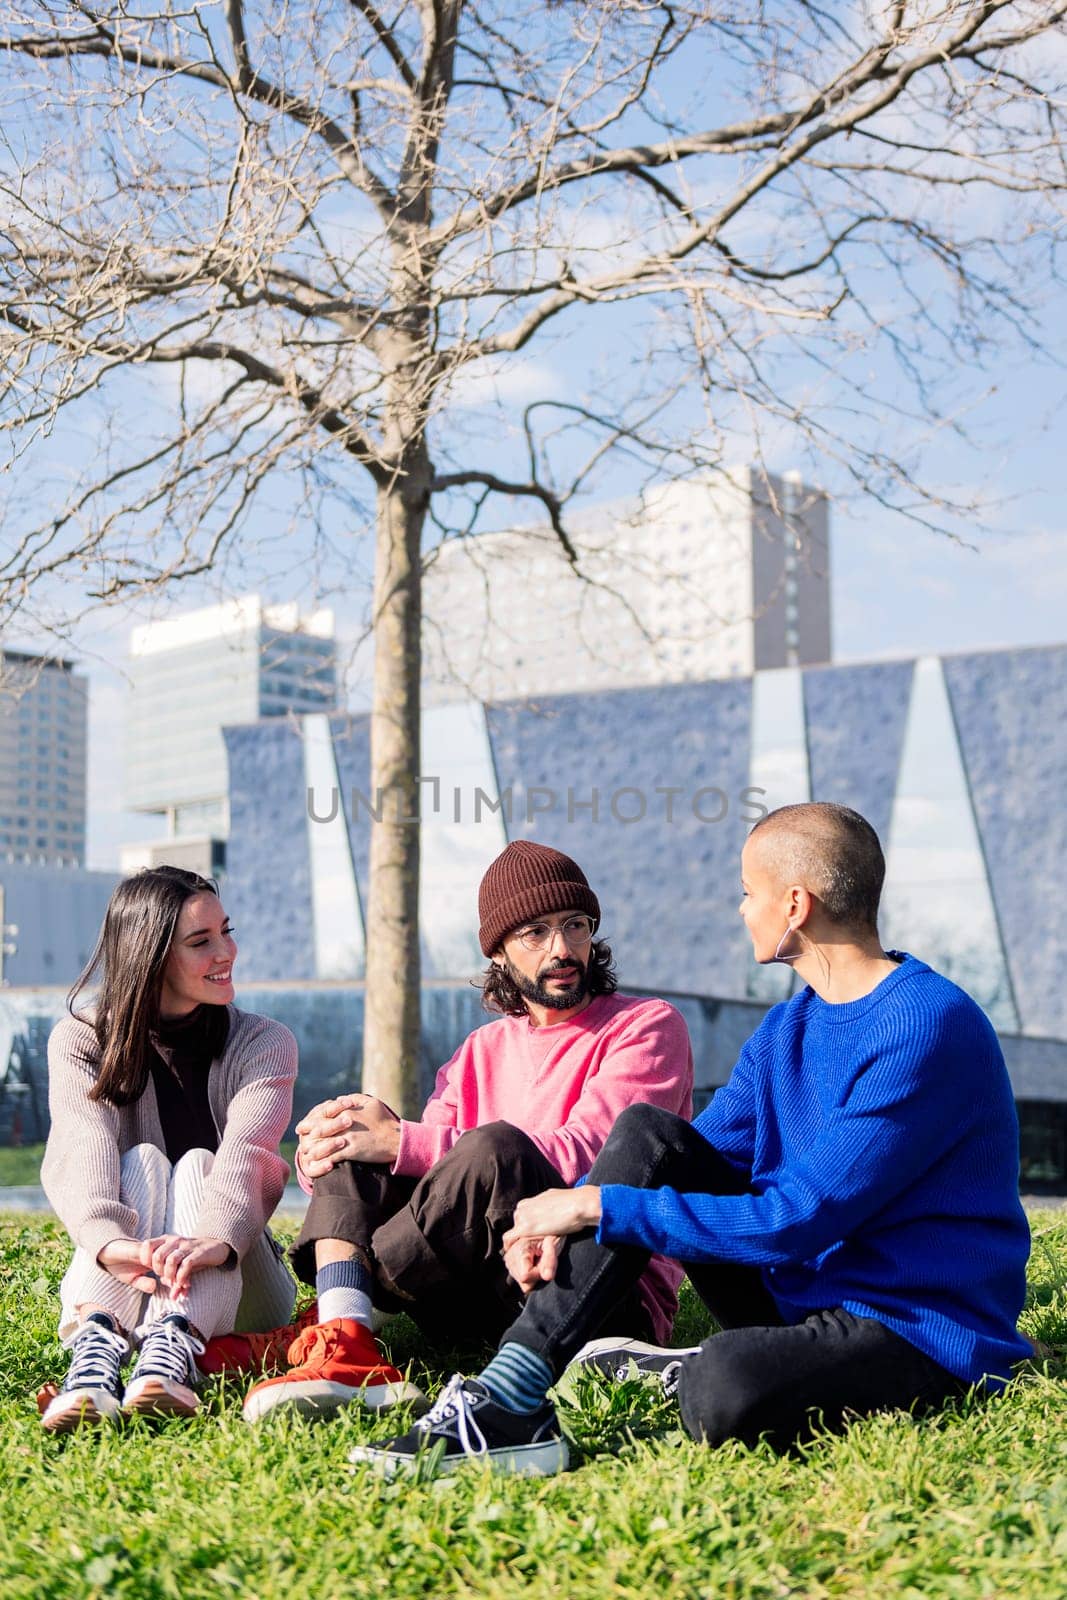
(631, 1358)
(467, 1424)
(92, 1389)
(162, 1380)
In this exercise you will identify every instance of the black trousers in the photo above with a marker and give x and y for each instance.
(758, 1376)
(437, 1239)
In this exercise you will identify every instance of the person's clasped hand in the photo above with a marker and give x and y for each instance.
(533, 1261)
(351, 1127)
(169, 1260)
(532, 1243)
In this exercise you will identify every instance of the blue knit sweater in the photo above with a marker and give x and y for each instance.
(883, 1147)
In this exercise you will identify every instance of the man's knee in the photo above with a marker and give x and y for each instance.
(495, 1144)
(340, 1180)
(638, 1133)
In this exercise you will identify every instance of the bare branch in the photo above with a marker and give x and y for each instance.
(387, 38)
(346, 151)
(497, 485)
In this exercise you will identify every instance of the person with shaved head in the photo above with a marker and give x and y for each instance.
(847, 1206)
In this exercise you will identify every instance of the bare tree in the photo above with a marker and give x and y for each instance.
(333, 222)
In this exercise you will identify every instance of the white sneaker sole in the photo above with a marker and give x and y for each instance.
(79, 1408)
(621, 1351)
(159, 1397)
(318, 1397)
(521, 1460)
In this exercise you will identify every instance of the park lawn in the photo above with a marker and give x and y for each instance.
(20, 1164)
(972, 1503)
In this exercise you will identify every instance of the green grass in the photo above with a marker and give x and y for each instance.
(972, 1503)
(21, 1165)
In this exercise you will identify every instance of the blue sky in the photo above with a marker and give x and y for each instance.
(898, 589)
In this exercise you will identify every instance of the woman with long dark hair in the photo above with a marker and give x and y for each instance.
(168, 1106)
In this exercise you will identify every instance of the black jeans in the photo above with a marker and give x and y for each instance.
(757, 1377)
(437, 1239)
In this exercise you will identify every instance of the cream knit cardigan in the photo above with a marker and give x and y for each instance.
(250, 1091)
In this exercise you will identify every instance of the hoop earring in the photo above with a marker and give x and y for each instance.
(778, 956)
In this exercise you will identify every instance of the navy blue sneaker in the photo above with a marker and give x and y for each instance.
(467, 1424)
(92, 1389)
(164, 1374)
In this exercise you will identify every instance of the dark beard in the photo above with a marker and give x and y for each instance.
(554, 999)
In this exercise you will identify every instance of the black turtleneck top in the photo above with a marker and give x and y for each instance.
(183, 1052)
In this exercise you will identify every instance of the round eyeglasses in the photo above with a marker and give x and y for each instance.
(576, 931)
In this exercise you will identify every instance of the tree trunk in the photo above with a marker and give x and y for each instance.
(392, 1022)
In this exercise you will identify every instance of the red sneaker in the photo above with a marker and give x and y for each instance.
(255, 1352)
(334, 1364)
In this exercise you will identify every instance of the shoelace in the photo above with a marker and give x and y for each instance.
(274, 1345)
(95, 1359)
(668, 1375)
(669, 1379)
(313, 1342)
(166, 1352)
(452, 1406)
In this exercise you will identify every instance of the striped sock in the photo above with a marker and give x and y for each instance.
(343, 1290)
(517, 1378)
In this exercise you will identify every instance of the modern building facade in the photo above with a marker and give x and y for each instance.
(53, 915)
(192, 674)
(43, 720)
(960, 762)
(700, 579)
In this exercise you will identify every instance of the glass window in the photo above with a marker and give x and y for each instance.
(337, 919)
(778, 763)
(938, 902)
(1042, 1144)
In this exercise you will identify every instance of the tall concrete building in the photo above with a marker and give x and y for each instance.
(702, 579)
(43, 716)
(194, 674)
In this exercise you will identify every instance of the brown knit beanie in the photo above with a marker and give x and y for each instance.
(525, 881)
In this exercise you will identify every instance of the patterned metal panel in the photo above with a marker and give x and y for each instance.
(856, 718)
(668, 769)
(268, 872)
(351, 751)
(1011, 714)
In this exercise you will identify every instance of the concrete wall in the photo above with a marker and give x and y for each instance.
(59, 912)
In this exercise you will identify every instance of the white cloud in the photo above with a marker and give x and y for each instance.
(509, 381)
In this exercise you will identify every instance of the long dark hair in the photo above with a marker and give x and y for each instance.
(129, 959)
(499, 993)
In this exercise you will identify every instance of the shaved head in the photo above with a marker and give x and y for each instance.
(829, 850)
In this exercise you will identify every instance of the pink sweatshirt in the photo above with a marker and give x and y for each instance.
(564, 1085)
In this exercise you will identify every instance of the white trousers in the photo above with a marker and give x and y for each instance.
(255, 1295)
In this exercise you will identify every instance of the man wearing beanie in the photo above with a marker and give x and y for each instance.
(847, 1207)
(412, 1215)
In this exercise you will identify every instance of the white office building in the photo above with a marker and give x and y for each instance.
(195, 674)
(701, 579)
(43, 717)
